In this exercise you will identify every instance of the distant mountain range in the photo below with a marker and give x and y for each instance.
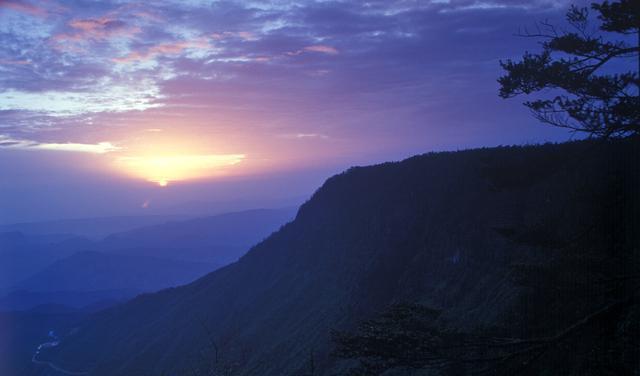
(71, 270)
(91, 228)
(96, 271)
(493, 240)
(24, 255)
(219, 239)
(24, 300)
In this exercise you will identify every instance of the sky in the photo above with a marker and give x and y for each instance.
(131, 108)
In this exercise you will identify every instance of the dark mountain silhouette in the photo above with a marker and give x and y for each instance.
(507, 240)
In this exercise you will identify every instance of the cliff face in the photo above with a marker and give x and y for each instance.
(457, 232)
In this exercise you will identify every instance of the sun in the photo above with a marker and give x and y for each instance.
(163, 169)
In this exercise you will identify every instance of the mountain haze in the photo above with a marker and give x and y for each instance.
(23, 255)
(68, 269)
(218, 239)
(92, 228)
(95, 271)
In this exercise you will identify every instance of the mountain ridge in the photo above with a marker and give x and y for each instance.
(442, 229)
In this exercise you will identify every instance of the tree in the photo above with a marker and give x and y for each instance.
(593, 72)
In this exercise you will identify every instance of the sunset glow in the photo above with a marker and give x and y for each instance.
(256, 101)
(165, 169)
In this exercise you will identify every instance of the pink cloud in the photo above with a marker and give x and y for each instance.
(322, 49)
(90, 25)
(14, 62)
(20, 6)
(95, 29)
(262, 59)
(174, 48)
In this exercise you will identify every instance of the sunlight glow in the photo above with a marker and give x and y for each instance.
(165, 169)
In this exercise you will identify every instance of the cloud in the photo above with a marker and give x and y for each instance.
(319, 48)
(322, 49)
(497, 5)
(359, 68)
(22, 144)
(305, 135)
(13, 62)
(94, 29)
(99, 148)
(244, 35)
(105, 96)
(99, 27)
(148, 16)
(174, 48)
(23, 7)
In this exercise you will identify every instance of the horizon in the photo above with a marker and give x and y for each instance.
(231, 207)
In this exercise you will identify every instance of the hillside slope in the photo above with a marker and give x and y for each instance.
(445, 230)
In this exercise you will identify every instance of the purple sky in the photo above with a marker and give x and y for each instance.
(264, 99)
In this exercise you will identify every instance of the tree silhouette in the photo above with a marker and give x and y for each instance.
(592, 72)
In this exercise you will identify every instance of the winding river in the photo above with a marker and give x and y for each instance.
(54, 341)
